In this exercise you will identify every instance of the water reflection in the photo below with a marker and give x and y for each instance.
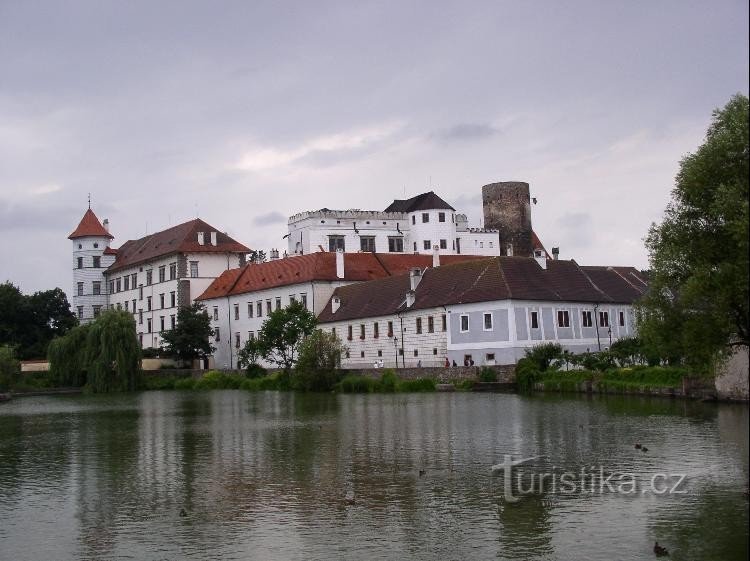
(290, 476)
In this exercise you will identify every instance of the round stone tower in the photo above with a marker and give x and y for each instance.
(507, 208)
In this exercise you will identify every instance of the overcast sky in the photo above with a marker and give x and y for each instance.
(248, 112)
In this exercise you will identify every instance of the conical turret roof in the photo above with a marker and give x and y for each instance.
(90, 226)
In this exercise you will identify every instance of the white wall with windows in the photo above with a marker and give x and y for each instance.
(90, 289)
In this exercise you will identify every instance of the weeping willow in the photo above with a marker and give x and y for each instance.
(67, 357)
(103, 355)
(113, 355)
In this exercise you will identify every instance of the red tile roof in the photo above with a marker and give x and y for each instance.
(487, 279)
(182, 238)
(320, 266)
(90, 226)
(110, 251)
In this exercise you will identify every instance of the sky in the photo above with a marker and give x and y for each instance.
(244, 113)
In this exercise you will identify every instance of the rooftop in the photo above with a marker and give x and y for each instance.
(425, 201)
(90, 226)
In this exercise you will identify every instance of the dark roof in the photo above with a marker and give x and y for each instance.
(182, 238)
(621, 283)
(482, 280)
(90, 226)
(425, 201)
(320, 266)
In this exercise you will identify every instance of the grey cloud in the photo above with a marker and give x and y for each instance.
(466, 132)
(273, 217)
(576, 229)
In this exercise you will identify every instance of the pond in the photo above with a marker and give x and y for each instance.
(238, 475)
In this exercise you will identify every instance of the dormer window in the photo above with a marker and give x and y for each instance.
(96, 245)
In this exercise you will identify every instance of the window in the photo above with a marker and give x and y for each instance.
(347, 354)
(622, 319)
(441, 217)
(464, 323)
(361, 330)
(119, 306)
(603, 319)
(172, 271)
(443, 244)
(148, 325)
(237, 340)
(194, 269)
(268, 307)
(161, 323)
(148, 303)
(434, 351)
(361, 354)
(118, 284)
(488, 321)
(216, 313)
(80, 312)
(586, 319)
(419, 325)
(534, 320)
(350, 330)
(292, 299)
(375, 330)
(161, 300)
(97, 262)
(133, 305)
(140, 292)
(149, 277)
(80, 263)
(126, 306)
(111, 287)
(251, 335)
(126, 282)
(250, 310)
(425, 217)
(563, 318)
(415, 247)
(79, 288)
(413, 219)
(416, 352)
(278, 302)
(401, 352)
(96, 245)
(162, 273)
(172, 321)
(97, 311)
(489, 358)
(96, 287)
(333, 330)
(380, 352)
(367, 243)
(172, 299)
(303, 300)
(335, 243)
(217, 334)
(427, 244)
(236, 312)
(259, 309)
(444, 322)
(134, 280)
(395, 245)
(140, 316)
(390, 329)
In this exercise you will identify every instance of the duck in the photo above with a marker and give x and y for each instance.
(638, 446)
(644, 449)
(422, 473)
(660, 551)
(183, 513)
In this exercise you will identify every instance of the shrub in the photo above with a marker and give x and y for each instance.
(487, 374)
(255, 370)
(315, 379)
(527, 374)
(388, 381)
(215, 380)
(158, 382)
(544, 355)
(185, 383)
(356, 384)
(464, 385)
(418, 385)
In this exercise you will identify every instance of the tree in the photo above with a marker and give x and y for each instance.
(697, 308)
(282, 333)
(67, 357)
(189, 339)
(320, 351)
(113, 355)
(10, 368)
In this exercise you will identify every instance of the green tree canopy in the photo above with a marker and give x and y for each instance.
(320, 351)
(697, 308)
(190, 337)
(283, 332)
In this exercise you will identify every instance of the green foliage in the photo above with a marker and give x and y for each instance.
(249, 355)
(388, 383)
(29, 323)
(618, 378)
(67, 358)
(315, 379)
(357, 384)
(215, 380)
(189, 339)
(627, 351)
(187, 383)
(697, 306)
(544, 355)
(10, 368)
(255, 371)
(113, 355)
(320, 350)
(282, 334)
(527, 374)
(487, 374)
(418, 385)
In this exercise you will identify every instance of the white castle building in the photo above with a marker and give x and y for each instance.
(150, 277)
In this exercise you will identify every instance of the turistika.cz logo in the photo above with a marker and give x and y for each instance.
(589, 480)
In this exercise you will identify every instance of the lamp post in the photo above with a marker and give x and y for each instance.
(609, 332)
(395, 347)
(596, 323)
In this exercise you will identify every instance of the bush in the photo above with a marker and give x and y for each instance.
(544, 355)
(487, 374)
(255, 370)
(215, 380)
(418, 385)
(315, 379)
(357, 384)
(388, 381)
(185, 383)
(527, 374)
(10, 368)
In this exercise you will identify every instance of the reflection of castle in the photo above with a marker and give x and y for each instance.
(419, 224)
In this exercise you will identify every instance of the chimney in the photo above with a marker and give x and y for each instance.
(201, 238)
(213, 238)
(335, 304)
(339, 263)
(274, 254)
(435, 256)
(540, 257)
(415, 276)
(106, 224)
(555, 253)
(410, 297)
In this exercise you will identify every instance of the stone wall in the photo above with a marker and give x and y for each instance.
(732, 377)
(507, 208)
(505, 373)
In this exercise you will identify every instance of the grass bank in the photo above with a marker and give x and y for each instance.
(613, 380)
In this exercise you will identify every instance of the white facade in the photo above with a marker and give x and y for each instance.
(89, 283)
